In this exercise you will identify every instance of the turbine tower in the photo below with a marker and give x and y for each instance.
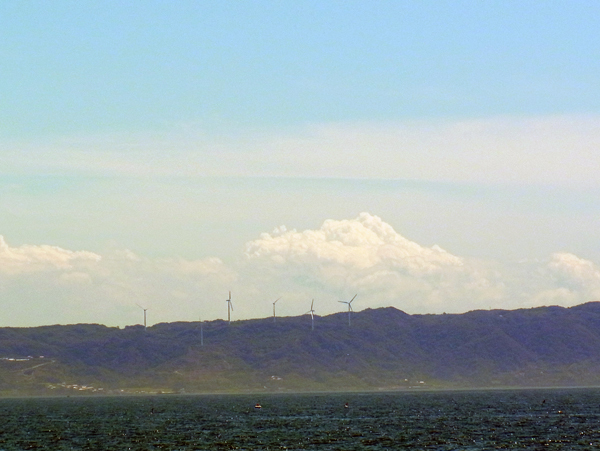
(229, 308)
(312, 315)
(144, 309)
(201, 332)
(349, 309)
(274, 317)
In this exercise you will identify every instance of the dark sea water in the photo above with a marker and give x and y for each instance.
(477, 420)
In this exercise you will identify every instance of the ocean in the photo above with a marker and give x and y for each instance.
(557, 419)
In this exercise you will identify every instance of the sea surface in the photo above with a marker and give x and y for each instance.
(556, 419)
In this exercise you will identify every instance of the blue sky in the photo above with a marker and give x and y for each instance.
(86, 67)
(163, 138)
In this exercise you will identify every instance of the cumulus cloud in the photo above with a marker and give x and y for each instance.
(573, 269)
(573, 280)
(43, 284)
(30, 258)
(367, 255)
(362, 243)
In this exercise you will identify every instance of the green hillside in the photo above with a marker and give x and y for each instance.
(383, 349)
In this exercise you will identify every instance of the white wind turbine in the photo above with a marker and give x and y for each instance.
(144, 309)
(349, 308)
(229, 308)
(312, 315)
(274, 317)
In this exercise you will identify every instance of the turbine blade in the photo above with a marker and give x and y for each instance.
(311, 304)
(231, 304)
(353, 297)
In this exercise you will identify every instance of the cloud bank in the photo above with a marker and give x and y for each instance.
(42, 284)
(558, 150)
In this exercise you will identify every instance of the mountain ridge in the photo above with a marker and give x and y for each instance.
(383, 349)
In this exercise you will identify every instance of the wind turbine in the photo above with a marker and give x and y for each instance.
(349, 308)
(229, 308)
(144, 309)
(312, 315)
(274, 317)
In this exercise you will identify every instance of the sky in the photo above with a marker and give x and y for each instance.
(435, 156)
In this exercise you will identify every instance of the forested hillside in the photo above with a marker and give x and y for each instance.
(382, 349)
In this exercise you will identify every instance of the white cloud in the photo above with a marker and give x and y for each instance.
(43, 284)
(30, 258)
(544, 150)
(363, 243)
(574, 269)
(576, 280)
(367, 255)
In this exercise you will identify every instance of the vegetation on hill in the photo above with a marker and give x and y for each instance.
(382, 349)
